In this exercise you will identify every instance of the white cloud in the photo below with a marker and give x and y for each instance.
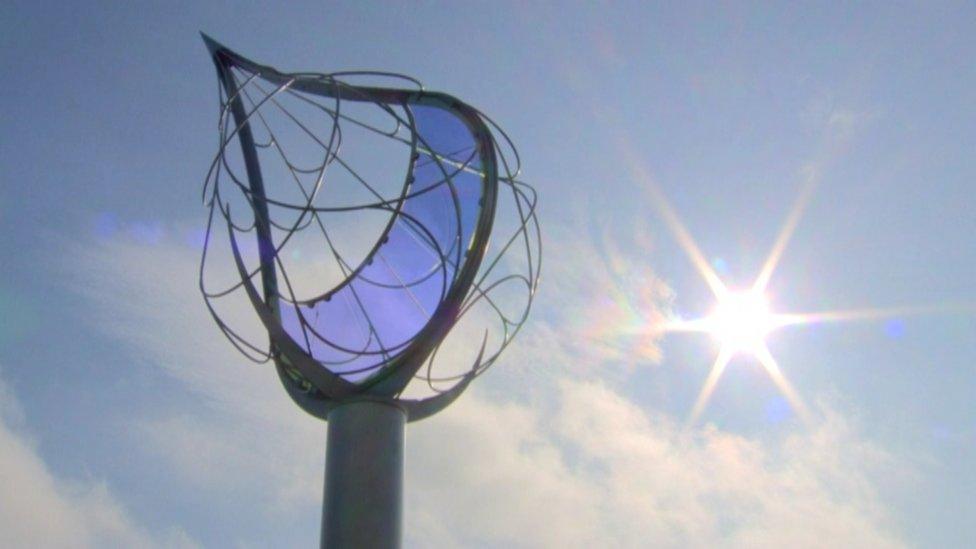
(572, 463)
(38, 509)
(599, 471)
(148, 299)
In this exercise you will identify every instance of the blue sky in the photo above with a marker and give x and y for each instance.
(127, 419)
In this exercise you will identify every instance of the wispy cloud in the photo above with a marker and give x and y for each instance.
(40, 509)
(572, 462)
(597, 470)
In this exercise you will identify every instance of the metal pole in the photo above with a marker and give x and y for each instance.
(362, 506)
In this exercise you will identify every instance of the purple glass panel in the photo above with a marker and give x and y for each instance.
(392, 296)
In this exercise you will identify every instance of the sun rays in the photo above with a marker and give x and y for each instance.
(742, 320)
(721, 324)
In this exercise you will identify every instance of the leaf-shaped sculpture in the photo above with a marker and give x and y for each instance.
(398, 190)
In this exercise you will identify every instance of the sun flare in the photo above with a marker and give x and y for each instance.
(741, 321)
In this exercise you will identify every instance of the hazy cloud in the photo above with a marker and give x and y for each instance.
(572, 463)
(38, 509)
(597, 470)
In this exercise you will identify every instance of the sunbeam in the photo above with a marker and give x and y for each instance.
(741, 320)
(686, 241)
(786, 232)
(767, 361)
(721, 361)
(881, 313)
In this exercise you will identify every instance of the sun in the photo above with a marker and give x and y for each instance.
(741, 321)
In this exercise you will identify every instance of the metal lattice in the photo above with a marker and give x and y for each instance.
(365, 210)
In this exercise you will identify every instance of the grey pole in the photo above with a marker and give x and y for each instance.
(363, 502)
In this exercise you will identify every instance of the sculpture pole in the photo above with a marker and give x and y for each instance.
(363, 502)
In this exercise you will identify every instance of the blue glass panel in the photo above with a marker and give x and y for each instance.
(393, 295)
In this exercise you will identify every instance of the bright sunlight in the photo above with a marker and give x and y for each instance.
(741, 321)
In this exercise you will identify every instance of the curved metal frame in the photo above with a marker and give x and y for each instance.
(313, 386)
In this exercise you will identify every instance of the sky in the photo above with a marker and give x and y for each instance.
(127, 420)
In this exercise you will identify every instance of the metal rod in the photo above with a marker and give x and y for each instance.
(363, 502)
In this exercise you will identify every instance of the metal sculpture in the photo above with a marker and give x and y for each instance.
(365, 211)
